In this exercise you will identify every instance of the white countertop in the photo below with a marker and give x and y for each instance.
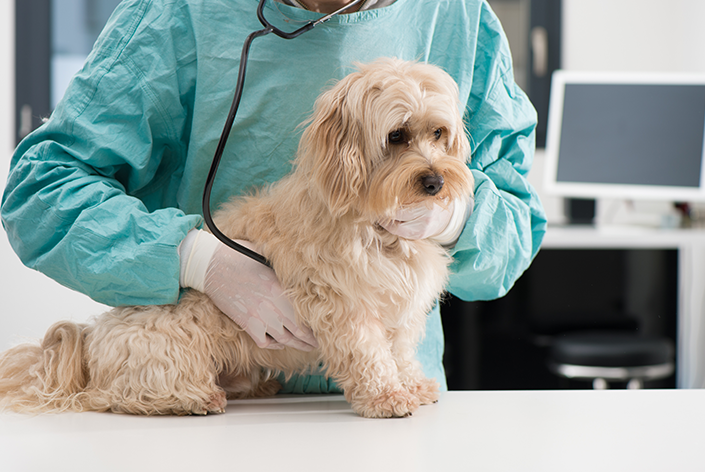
(566, 431)
(620, 237)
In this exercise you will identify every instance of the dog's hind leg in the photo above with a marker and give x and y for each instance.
(258, 383)
(150, 386)
(153, 387)
(152, 361)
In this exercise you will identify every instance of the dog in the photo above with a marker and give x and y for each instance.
(373, 142)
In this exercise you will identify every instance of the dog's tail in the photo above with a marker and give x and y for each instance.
(45, 377)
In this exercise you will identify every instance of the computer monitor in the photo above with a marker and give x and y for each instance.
(637, 136)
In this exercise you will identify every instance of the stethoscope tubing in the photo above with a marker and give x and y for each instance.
(210, 179)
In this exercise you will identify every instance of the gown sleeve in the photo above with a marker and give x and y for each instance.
(75, 205)
(505, 230)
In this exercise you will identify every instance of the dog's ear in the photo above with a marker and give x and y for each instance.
(331, 148)
(442, 83)
(459, 143)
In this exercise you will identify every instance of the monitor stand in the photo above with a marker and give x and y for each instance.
(579, 211)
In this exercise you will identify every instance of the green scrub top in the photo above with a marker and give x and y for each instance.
(101, 195)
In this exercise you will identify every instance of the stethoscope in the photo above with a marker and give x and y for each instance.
(268, 28)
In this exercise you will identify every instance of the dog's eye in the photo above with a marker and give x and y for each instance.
(397, 137)
(438, 133)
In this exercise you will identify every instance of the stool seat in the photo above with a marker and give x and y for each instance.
(610, 349)
(610, 355)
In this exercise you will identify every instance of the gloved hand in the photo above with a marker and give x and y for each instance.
(442, 224)
(248, 292)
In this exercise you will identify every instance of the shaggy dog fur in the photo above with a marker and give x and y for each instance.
(363, 291)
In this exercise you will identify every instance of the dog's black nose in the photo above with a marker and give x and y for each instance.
(432, 183)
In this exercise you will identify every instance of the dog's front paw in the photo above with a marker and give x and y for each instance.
(397, 403)
(426, 390)
(215, 404)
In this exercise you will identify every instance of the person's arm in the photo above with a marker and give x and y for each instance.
(90, 198)
(505, 229)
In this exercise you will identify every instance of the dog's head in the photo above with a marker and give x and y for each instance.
(387, 136)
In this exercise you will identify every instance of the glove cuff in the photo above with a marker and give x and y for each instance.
(196, 252)
(462, 209)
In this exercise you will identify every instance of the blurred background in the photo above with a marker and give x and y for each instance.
(490, 345)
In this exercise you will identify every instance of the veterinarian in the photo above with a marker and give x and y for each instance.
(105, 197)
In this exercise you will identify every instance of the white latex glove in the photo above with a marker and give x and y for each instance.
(432, 221)
(248, 292)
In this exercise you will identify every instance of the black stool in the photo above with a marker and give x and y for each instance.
(611, 356)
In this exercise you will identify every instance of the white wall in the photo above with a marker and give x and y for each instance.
(634, 35)
(29, 301)
(649, 35)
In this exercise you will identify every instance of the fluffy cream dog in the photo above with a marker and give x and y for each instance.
(375, 141)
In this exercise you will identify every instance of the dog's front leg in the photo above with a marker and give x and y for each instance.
(411, 373)
(359, 357)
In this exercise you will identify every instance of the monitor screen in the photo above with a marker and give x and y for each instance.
(635, 136)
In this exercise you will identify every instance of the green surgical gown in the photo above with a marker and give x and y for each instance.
(100, 196)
